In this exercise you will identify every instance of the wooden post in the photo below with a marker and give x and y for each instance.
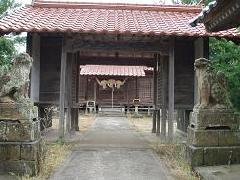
(95, 94)
(69, 93)
(154, 121)
(163, 66)
(171, 91)
(62, 91)
(180, 119)
(158, 122)
(158, 94)
(76, 118)
(148, 112)
(154, 99)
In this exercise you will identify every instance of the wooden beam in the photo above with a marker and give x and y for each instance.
(171, 91)
(119, 46)
(62, 91)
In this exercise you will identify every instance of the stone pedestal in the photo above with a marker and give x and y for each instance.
(213, 138)
(20, 140)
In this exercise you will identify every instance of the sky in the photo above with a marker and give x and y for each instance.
(109, 1)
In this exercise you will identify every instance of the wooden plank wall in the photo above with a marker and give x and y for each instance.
(184, 74)
(145, 91)
(131, 89)
(145, 86)
(161, 82)
(50, 67)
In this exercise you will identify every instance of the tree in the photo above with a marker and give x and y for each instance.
(7, 50)
(206, 2)
(225, 57)
(6, 5)
(7, 44)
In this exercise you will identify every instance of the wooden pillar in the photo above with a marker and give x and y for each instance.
(180, 119)
(69, 92)
(74, 122)
(201, 50)
(95, 94)
(154, 99)
(154, 121)
(62, 90)
(171, 91)
(35, 71)
(77, 64)
(163, 66)
(136, 90)
(149, 111)
(158, 122)
(76, 118)
(127, 97)
(158, 95)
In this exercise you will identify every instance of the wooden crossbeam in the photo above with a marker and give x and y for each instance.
(118, 46)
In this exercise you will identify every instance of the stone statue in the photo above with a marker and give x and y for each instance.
(20, 136)
(212, 90)
(14, 83)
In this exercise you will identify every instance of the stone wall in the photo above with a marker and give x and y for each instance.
(21, 147)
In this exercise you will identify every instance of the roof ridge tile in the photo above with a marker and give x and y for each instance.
(118, 6)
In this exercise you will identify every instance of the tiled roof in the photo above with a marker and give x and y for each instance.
(75, 17)
(113, 70)
(228, 18)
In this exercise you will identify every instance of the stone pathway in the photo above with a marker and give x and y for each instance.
(112, 150)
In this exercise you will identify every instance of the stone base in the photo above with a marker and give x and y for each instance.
(214, 118)
(200, 138)
(14, 131)
(210, 156)
(21, 158)
(20, 168)
(17, 112)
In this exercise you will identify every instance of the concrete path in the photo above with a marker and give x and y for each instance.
(112, 150)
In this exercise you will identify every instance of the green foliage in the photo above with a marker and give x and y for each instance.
(225, 57)
(6, 5)
(7, 44)
(7, 50)
(206, 2)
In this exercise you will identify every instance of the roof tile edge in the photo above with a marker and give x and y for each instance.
(122, 6)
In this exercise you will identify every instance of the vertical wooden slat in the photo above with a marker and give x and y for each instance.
(171, 91)
(62, 90)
